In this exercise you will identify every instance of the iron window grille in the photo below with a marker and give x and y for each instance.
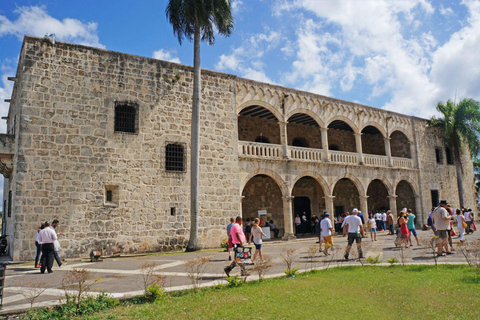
(439, 155)
(449, 155)
(175, 157)
(126, 117)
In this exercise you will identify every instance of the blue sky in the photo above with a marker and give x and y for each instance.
(403, 56)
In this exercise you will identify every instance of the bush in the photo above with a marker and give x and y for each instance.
(292, 272)
(375, 260)
(155, 291)
(392, 261)
(234, 281)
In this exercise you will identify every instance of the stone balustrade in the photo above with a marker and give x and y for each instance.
(274, 151)
(305, 154)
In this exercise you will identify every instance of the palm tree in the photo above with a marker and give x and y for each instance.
(196, 19)
(461, 125)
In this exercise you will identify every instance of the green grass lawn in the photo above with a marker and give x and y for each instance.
(411, 292)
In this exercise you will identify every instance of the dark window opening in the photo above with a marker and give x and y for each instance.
(439, 155)
(300, 142)
(262, 139)
(109, 196)
(435, 198)
(449, 156)
(9, 203)
(125, 118)
(173, 211)
(175, 157)
(333, 147)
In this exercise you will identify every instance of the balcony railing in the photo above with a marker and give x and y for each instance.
(248, 149)
(256, 149)
(305, 154)
(343, 157)
(374, 160)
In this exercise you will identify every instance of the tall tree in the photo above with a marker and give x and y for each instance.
(195, 20)
(461, 125)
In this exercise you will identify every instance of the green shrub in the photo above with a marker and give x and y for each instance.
(155, 291)
(224, 244)
(291, 272)
(234, 281)
(375, 260)
(392, 261)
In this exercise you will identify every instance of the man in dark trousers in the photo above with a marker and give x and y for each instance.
(55, 253)
(238, 238)
(47, 237)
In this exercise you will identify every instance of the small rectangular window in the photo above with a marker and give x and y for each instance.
(173, 211)
(449, 155)
(175, 157)
(126, 117)
(439, 155)
(435, 198)
(111, 195)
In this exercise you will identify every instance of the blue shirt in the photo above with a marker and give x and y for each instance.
(228, 230)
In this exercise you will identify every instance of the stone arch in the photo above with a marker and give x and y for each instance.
(342, 134)
(360, 188)
(309, 198)
(347, 195)
(410, 181)
(272, 174)
(402, 130)
(303, 125)
(308, 112)
(321, 181)
(406, 196)
(378, 196)
(344, 119)
(376, 125)
(373, 141)
(255, 122)
(385, 181)
(400, 144)
(263, 104)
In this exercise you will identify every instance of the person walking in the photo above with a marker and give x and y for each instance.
(390, 224)
(298, 224)
(378, 221)
(402, 222)
(238, 239)
(38, 244)
(273, 228)
(248, 230)
(326, 231)
(468, 219)
(56, 249)
(229, 241)
(372, 226)
(344, 223)
(47, 237)
(411, 227)
(460, 219)
(355, 231)
(441, 221)
(384, 220)
(257, 234)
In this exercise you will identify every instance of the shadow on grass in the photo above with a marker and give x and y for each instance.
(473, 279)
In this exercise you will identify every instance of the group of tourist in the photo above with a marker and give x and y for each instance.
(47, 246)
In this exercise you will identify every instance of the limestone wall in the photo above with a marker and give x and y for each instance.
(69, 153)
(249, 128)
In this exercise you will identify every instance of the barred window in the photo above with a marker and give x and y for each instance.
(449, 155)
(435, 198)
(175, 157)
(439, 155)
(126, 117)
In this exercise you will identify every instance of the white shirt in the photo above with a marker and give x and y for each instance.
(304, 218)
(345, 221)
(384, 216)
(47, 235)
(377, 216)
(354, 223)
(467, 216)
(458, 218)
(372, 223)
(38, 237)
(297, 221)
(257, 235)
(325, 225)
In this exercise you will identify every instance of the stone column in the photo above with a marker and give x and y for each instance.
(288, 218)
(419, 214)
(364, 207)
(358, 142)
(283, 138)
(388, 151)
(412, 155)
(393, 205)
(329, 207)
(241, 206)
(326, 153)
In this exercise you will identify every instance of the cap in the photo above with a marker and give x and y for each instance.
(355, 210)
(443, 202)
(326, 214)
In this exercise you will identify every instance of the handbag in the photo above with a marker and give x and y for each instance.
(464, 225)
(56, 246)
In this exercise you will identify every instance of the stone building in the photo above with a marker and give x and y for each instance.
(100, 141)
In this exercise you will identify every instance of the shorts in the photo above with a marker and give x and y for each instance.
(328, 240)
(442, 234)
(230, 243)
(354, 237)
(373, 230)
(413, 231)
(258, 246)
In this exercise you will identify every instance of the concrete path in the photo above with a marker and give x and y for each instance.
(122, 277)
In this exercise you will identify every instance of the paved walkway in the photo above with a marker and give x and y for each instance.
(121, 277)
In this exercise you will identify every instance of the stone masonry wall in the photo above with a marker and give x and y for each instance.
(69, 153)
(345, 140)
(310, 133)
(249, 128)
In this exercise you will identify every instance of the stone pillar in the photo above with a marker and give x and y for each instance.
(419, 214)
(364, 207)
(283, 138)
(329, 207)
(241, 206)
(393, 205)
(326, 153)
(288, 218)
(388, 151)
(358, 142)
(412, 155)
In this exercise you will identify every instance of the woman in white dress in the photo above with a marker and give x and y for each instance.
(460, 219)
(257, 234)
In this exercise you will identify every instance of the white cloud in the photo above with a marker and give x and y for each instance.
(162, 54)
(236, 6)
(257, 75)
(6, 88)
(445, 11)
(36, 21)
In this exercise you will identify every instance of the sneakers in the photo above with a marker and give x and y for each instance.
(346, 257)
(227, 272)
(230, 258)
(38, 267)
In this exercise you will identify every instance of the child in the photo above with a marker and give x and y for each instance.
(372, 226)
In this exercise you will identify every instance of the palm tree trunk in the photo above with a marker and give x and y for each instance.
(195, 145)
(458, 165)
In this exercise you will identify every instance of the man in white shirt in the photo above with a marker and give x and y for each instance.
(441, 222)
(326, 231)
(355, 232)
(468, 220)
(47, 237)
(384, 220)
(378, 221)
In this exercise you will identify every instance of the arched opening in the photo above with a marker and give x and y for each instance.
(262, 193)
(405, 196)
(333, 147)
(377, 194)
(346, 196)
(341, 135)
(400, 145)
(309, 199)
(372, 141)
(302, 128)
(256, 122)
